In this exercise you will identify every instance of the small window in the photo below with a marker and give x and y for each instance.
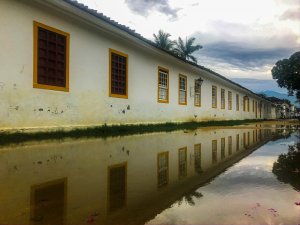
(197, 93)
(214, 97)
(222, 99)
(246, 104)
(229, 100)
(214, 151)
(237, 102)
(182, 90)
(229, 145)
(222, 148)
(197, 153)
(163, 85)
(117, 182)
(237, 142)
(118, 78)
(253, 105)
(244, 140)
(51, 58)
(182, 162)
(162, 169)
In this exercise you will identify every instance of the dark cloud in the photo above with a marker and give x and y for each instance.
(247, 48)
(291, 14)
(143, 7)
(241, 55)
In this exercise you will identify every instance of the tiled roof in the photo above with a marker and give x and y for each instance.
(140, 37)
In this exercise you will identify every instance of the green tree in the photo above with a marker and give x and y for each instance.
(163, 41)
(287, 74)
(186, 49)
(287, 167)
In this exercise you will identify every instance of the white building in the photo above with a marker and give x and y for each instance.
(63, 64)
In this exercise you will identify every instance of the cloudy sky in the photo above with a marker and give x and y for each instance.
(240, 38)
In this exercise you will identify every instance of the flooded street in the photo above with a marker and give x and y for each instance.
(206, 176)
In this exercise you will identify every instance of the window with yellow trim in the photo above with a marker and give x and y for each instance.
(51, 58)
(182, 162)
(163, 85)
(162, 169)
(197, 154)
(197, 100)
(214, 96)
(229, 100)
(117, 186)
(182, 90)
(214, 149)
(237, 102)
(222, 148)
(246, 104)
(229, 145)
(237, 142)
(222, 98)
(118, 74)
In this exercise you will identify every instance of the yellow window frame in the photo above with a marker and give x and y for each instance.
(36, 26)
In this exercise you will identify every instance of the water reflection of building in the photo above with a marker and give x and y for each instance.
(117, 179)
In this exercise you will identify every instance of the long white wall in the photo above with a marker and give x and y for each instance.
(87, 102)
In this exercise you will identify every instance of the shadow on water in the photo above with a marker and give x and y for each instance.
(287, 166)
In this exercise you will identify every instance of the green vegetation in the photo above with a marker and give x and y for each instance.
(163, 41)
(112, 131)
(180, 48)
(287, 74)
(287, 167)
(186, 49)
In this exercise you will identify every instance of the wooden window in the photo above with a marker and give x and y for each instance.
(51, 58)
(229, 100)
(118, 74)
(253, 105)
(182, 83)
(197, 154)
(253, 137)
(182, 162)
(197, 93)
(248, 139)
(237, 142)
(117, 182)
(255, 109)
(162, 169)
(244, 140)
(222, 98)
(229, 145)
(246, 104)
(237, 102)
(214, 148)
(163, 85)
(214, 97)
(48, 202)
(222, 148)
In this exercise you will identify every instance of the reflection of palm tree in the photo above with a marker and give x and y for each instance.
(189, 198)
(186, 49)
(287, 167)
(162, 40)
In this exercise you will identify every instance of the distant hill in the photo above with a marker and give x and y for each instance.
(269, 93)
(267, 87)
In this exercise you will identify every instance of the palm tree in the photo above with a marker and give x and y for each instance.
(162, 40)
(185, 50)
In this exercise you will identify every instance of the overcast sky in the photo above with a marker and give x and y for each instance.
(240, 38)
